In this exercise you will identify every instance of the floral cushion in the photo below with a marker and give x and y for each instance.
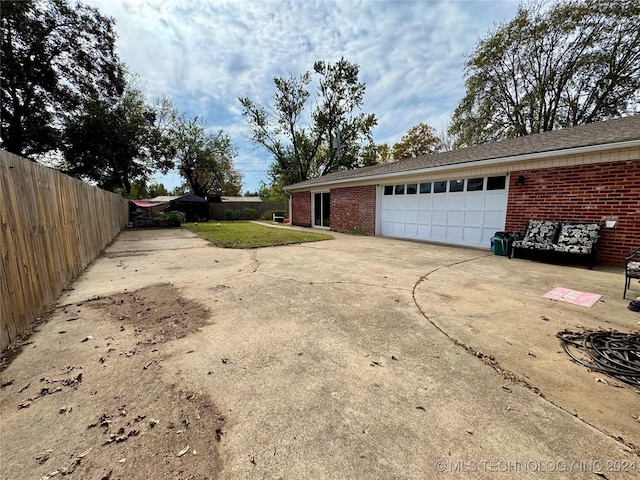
(532, 245)
(578, 234)
(541, 232)
(633, 269)
(584, 249)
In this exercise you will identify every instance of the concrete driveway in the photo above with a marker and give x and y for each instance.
(365, 357)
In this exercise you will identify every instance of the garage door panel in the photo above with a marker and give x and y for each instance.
(472, 234)
(497, 201)
(438, 232)
(454, 234)
(439, 201)
(473, 218)
(455, 217)
(438, 217)
(410, 229)
(387, 215)
(411, 216)
(474, 200)
(455, 200)
(493, 218)
(398, 216)
(424, 202)
(424, 217)
(411, 202)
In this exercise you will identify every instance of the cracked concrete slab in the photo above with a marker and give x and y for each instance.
(347, 358)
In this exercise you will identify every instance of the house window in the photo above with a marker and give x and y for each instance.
(425, 187)
(475, 184)
(497, 183)
(388, 189)
(440, 187)
(399, 189)
(412, 189)
(456, 185)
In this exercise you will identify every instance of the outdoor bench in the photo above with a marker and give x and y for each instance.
(560, 239)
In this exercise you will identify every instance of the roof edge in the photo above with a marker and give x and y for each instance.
(479, 163)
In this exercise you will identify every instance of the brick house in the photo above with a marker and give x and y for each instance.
(589, 173)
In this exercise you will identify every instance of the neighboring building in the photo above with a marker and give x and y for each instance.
(588, 173)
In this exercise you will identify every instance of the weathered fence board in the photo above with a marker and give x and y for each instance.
(51, 227)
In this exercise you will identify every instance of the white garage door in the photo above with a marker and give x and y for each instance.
(463, 212)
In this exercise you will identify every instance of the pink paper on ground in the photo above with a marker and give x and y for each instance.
(575, 297)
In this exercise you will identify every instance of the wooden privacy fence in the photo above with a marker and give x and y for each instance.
(51, 227)
(245, 210)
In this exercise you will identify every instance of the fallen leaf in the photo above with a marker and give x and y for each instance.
(183, 451)
(85, 453)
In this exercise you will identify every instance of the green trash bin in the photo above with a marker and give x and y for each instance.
(500, 246)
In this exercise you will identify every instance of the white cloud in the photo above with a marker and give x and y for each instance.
(207, 53)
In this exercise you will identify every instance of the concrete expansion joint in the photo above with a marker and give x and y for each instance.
(504, 373)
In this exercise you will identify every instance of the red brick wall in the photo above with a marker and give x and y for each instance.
(354, 207)
(301, 208)
(584, 193)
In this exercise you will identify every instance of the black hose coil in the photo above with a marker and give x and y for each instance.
(614, 353)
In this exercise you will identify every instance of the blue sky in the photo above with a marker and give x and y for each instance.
(207, 53)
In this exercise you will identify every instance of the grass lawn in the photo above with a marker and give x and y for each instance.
(240, 234)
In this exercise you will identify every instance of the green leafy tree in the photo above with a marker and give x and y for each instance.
(419, 140)
(273, 192)
(374, 154)
(157, 190)
(115, 140)
(204, 159)
(552, 66)
(304, 142)
(54, 55)
(138, 191)
(180, 190)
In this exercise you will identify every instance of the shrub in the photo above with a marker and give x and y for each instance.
(231, 215)
(172, 218)
(251, 213)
